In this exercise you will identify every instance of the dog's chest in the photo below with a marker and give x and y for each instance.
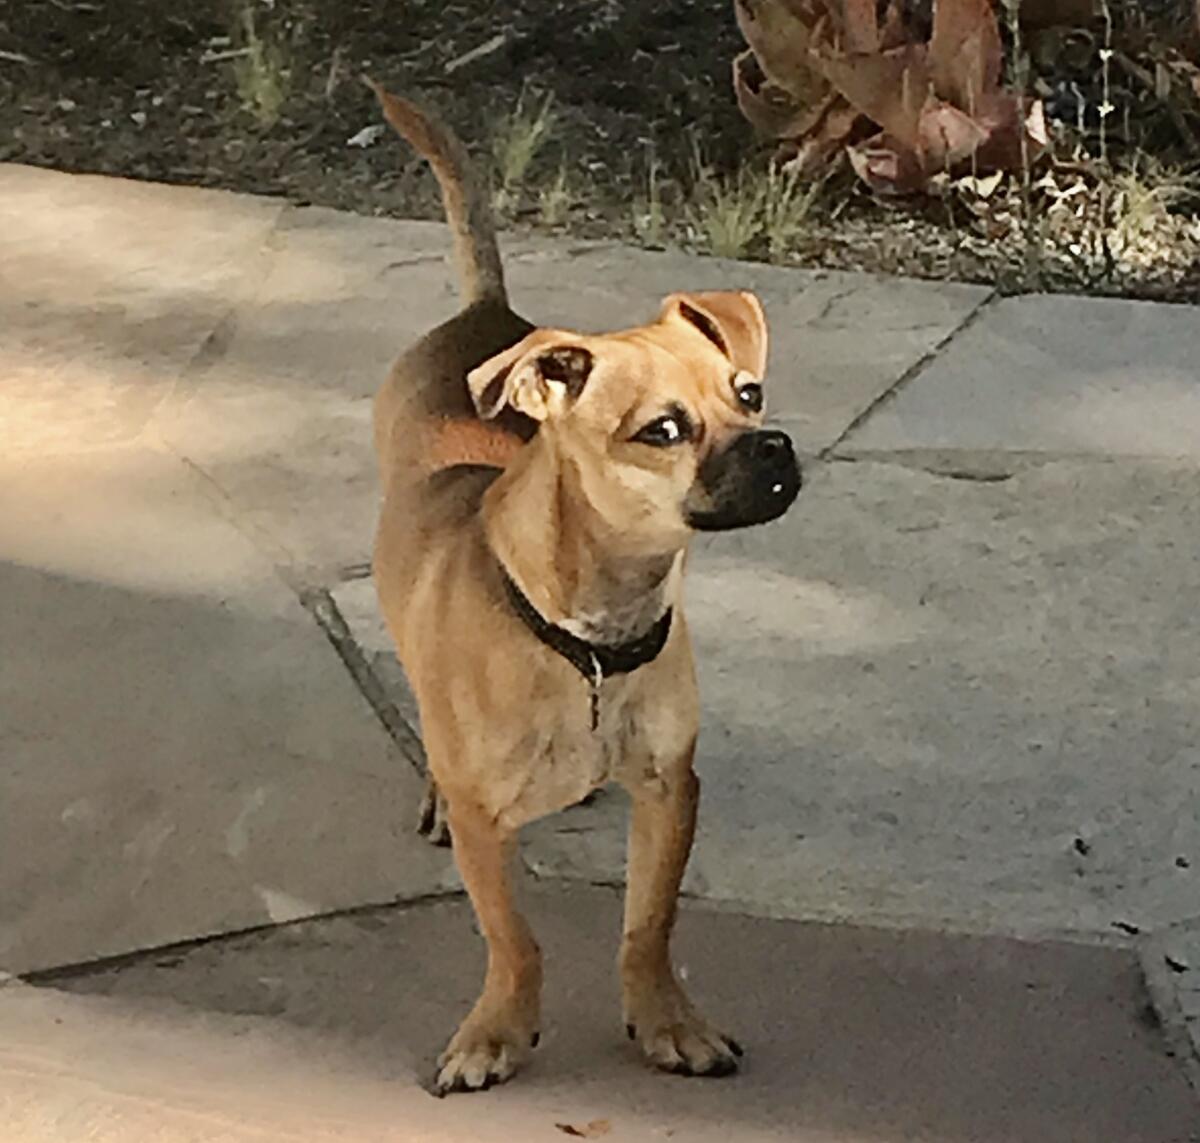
(565, 758)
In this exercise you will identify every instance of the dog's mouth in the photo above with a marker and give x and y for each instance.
(754, 480)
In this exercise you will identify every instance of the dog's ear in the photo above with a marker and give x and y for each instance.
(540, 376)
(732, 320)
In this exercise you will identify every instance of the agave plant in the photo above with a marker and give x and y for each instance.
(829, 76)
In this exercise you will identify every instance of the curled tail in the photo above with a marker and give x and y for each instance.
(467, 210)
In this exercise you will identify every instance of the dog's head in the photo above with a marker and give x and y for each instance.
(662, 424)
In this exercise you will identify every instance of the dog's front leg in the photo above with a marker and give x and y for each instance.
(658, 1014)
(502, 1029)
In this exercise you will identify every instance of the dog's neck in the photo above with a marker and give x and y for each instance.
(577, 571)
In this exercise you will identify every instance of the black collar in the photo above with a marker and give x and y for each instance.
(594, 661)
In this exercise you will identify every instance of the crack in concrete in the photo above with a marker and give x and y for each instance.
(831, 301)
(418, 260)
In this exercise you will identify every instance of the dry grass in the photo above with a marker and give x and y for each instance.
(556, 198)
(517, 140)
(649, 217)
(263, 71)
(750, 212)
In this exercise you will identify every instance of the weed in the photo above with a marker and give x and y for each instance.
(516, 142)
(787, 205)
(725, 211)
(649, 219)
(738, 214)
(1144, 199)
(263, 71)
(554, 199)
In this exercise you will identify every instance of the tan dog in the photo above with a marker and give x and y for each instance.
(541, 487)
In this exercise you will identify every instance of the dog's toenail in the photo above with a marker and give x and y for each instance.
(537, 1039)
(631, 1031)
(735, 1048)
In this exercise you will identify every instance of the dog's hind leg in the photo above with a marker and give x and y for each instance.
(502, 1029)
(432, 823)
(658, 1015)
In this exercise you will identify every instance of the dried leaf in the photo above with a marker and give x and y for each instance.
(886, 166)
(965, 54)
(772, 111)
(829, 70)
(948, 136)
(1005, 120)
(981, 186)
(859, 27)
(780, 34)
(890, 88)
(813, 152)
(593, 1130)
(893, 31)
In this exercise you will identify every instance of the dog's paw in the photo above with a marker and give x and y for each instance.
(481, 1055)
(675, 1038)
(432, 820)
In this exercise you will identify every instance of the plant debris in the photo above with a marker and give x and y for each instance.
(827, 77)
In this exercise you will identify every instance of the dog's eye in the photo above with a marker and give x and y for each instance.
(668, 430)
(750, 396)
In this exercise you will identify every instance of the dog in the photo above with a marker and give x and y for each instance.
(540, 488)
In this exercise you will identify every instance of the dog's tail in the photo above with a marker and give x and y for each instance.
(467, 210)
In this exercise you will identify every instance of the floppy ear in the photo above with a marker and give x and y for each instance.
(540, 376)
(732, 320)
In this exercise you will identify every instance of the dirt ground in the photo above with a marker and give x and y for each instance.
(159, 91)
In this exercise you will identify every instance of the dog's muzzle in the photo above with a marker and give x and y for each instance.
(751, 481)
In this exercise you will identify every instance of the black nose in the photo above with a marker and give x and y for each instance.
(771, 447)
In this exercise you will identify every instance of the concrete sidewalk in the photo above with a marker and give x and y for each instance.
(955, 690)
(325, 1030)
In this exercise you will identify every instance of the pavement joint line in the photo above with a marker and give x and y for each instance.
(955, 463)
(912, 371)
(40, 977)
(1163, 1002)
(282, 562)
(321, 605)
(931, 467)
(216, 343)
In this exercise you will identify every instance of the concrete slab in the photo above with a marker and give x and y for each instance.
(278, 409)
(1055, 375)
(300, 311)
(940, 702)
(323, 1030)
(183, 751)
(108, 288)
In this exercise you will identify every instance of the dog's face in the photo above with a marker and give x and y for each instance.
(660, 426)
